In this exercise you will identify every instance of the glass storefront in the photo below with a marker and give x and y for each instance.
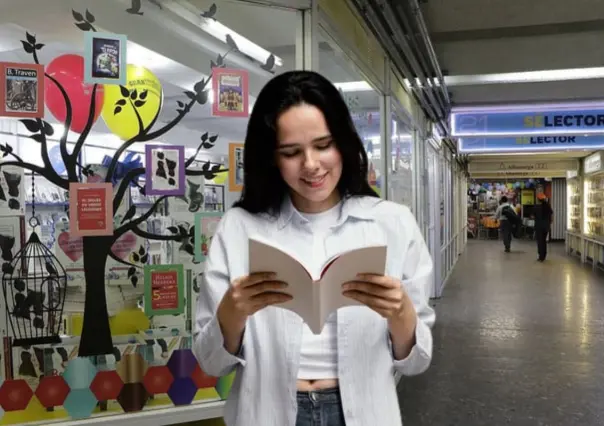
(401, 165)
(362, 100)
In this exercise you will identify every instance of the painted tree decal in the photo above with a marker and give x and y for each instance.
(96, 335)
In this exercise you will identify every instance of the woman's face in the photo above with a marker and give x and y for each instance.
(308, 158)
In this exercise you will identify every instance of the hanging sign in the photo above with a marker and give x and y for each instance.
(530, 143)
(545, 120)
(236, 167)
(165, 169)
(593, 163)
(206, 224)
(164, 290)
(90, 209)
(21, 90)
(105, 61)
(231, 92)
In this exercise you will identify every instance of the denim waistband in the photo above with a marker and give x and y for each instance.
(331, 395)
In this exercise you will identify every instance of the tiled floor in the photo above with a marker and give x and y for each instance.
(516, 343)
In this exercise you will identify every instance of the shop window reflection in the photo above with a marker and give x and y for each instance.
(400, 178)
(362, 101)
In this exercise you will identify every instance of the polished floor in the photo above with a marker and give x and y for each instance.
(516, 343)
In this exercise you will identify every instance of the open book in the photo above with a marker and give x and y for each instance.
(315, 297)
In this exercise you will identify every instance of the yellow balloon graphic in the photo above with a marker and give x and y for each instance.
(221, 178)
(119, 112)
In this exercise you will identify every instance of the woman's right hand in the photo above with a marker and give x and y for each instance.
(246, 296)
(251, 293)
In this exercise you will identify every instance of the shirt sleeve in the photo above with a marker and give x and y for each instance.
(417, 279)
(208, 340)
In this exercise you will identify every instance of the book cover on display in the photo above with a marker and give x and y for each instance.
(21, 90)
(105, 58)
(231, 92)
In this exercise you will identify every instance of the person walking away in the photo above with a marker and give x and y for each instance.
(505, 225)
(544, 215)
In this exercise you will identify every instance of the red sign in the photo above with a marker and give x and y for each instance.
(164, 290)
(92, 209)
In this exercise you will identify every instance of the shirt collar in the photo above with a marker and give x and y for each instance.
(349, 207)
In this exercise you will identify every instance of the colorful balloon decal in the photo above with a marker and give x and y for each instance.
(121, 117)
(68, 70)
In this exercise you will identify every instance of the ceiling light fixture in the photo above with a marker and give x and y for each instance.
(354, 86)
(147, 58)
(220, 31)
(526, 76)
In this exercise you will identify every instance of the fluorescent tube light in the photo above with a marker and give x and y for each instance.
(526, 76)
(354, 86)
(220, 31)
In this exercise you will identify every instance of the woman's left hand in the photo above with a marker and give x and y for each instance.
(385, 295)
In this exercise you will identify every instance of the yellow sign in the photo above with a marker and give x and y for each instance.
(527, 197)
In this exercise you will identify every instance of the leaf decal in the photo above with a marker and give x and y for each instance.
(129, 214)
(141, 250)
(89, 16)
(124, 91)
(77, 16)
(30, 38)
(231, 42)
(84, 26)
(131, 271)
(117, 110)
(27, 47)
(48, 129)
(31, 125)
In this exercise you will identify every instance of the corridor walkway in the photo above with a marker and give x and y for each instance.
(516, 343)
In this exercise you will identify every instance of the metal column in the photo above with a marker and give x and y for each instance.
(307, 38)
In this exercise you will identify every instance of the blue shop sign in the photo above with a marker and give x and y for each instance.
(530, 143)
(559, 122)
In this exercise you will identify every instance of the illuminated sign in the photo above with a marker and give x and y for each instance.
(536, 120)
(530, 143)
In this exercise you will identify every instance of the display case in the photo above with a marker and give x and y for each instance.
(594, 205)
(593, 187)
(574, 195)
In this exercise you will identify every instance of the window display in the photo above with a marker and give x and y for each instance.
(400, 167)
(117, 299)
(574, 203)
(594, 205)
(362, 100)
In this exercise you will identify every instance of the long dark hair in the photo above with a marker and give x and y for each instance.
(264, 189)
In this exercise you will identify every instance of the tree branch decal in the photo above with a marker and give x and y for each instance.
(96, 335)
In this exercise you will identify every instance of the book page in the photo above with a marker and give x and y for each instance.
(265, 257)
(367, 260)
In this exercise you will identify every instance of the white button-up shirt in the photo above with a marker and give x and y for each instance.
(264, 390)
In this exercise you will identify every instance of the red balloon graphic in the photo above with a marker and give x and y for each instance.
(68, 70)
